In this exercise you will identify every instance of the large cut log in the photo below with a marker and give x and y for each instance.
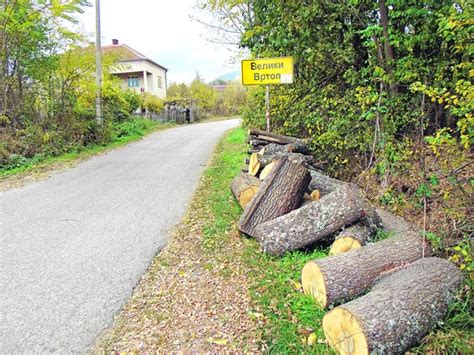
(244, 187)
(359, 234)
(298, 158)
(273, 148)
(275, 137)
(281, 192)
(343, 276)
(257, 142)
(398, 312)
(323, 183)
(310, 223)
(353, 237)
(394, 224)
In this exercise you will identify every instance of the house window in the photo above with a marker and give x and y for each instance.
(160, 85)
(133, 82)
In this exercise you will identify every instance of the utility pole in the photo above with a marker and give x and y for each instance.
(98, 64)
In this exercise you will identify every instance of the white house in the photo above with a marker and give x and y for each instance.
(137, 71)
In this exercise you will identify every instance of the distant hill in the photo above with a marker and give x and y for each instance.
(223, 79)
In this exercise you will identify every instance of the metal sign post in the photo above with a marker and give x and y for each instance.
(267, 107)
(267, 71)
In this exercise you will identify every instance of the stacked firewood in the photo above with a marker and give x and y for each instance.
(289, 204)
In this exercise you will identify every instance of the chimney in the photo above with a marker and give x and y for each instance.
(115, 42)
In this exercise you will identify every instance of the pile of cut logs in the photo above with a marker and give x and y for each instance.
(289, 203)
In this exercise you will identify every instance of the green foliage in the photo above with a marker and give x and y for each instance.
(205, 99)
(349, 93)
(152, 103)
(119, 134)
(47, 103)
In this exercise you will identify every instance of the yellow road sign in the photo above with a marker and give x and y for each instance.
(267, 71)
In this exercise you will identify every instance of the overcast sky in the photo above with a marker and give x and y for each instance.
(164, 32)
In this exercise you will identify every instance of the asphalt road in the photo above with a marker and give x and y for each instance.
(73, 247)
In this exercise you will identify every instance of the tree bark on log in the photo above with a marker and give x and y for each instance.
(394, 224)
(281, 192)
(350, 274)
(275, 137)
(257, 142)
(244, 187)
(397, 313)
(273, 148)
(323, 183)
(308, 224)
(298, 158)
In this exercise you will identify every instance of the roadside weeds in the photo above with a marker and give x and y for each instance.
(43, 169)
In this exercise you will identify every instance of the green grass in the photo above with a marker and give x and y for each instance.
(124, 133)
(290, 315)
(275, 282)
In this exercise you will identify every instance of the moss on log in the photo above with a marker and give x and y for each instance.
(398, 312)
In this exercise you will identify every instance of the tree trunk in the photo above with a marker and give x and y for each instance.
(398, 312)
(323, 183)
(394, 224)
(312, 222)
(244, 187)
(346, 275)
(358, 234)
(389, 56)
(281, 192)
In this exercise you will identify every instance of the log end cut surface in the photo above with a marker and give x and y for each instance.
(254, 164)
(313, 283)
(344, 332)
(266, 170)
(343, 245)
(247, 195)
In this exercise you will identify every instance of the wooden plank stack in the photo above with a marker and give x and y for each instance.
(290, 204)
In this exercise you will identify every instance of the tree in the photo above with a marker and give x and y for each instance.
(203, 94)
(31, 35)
